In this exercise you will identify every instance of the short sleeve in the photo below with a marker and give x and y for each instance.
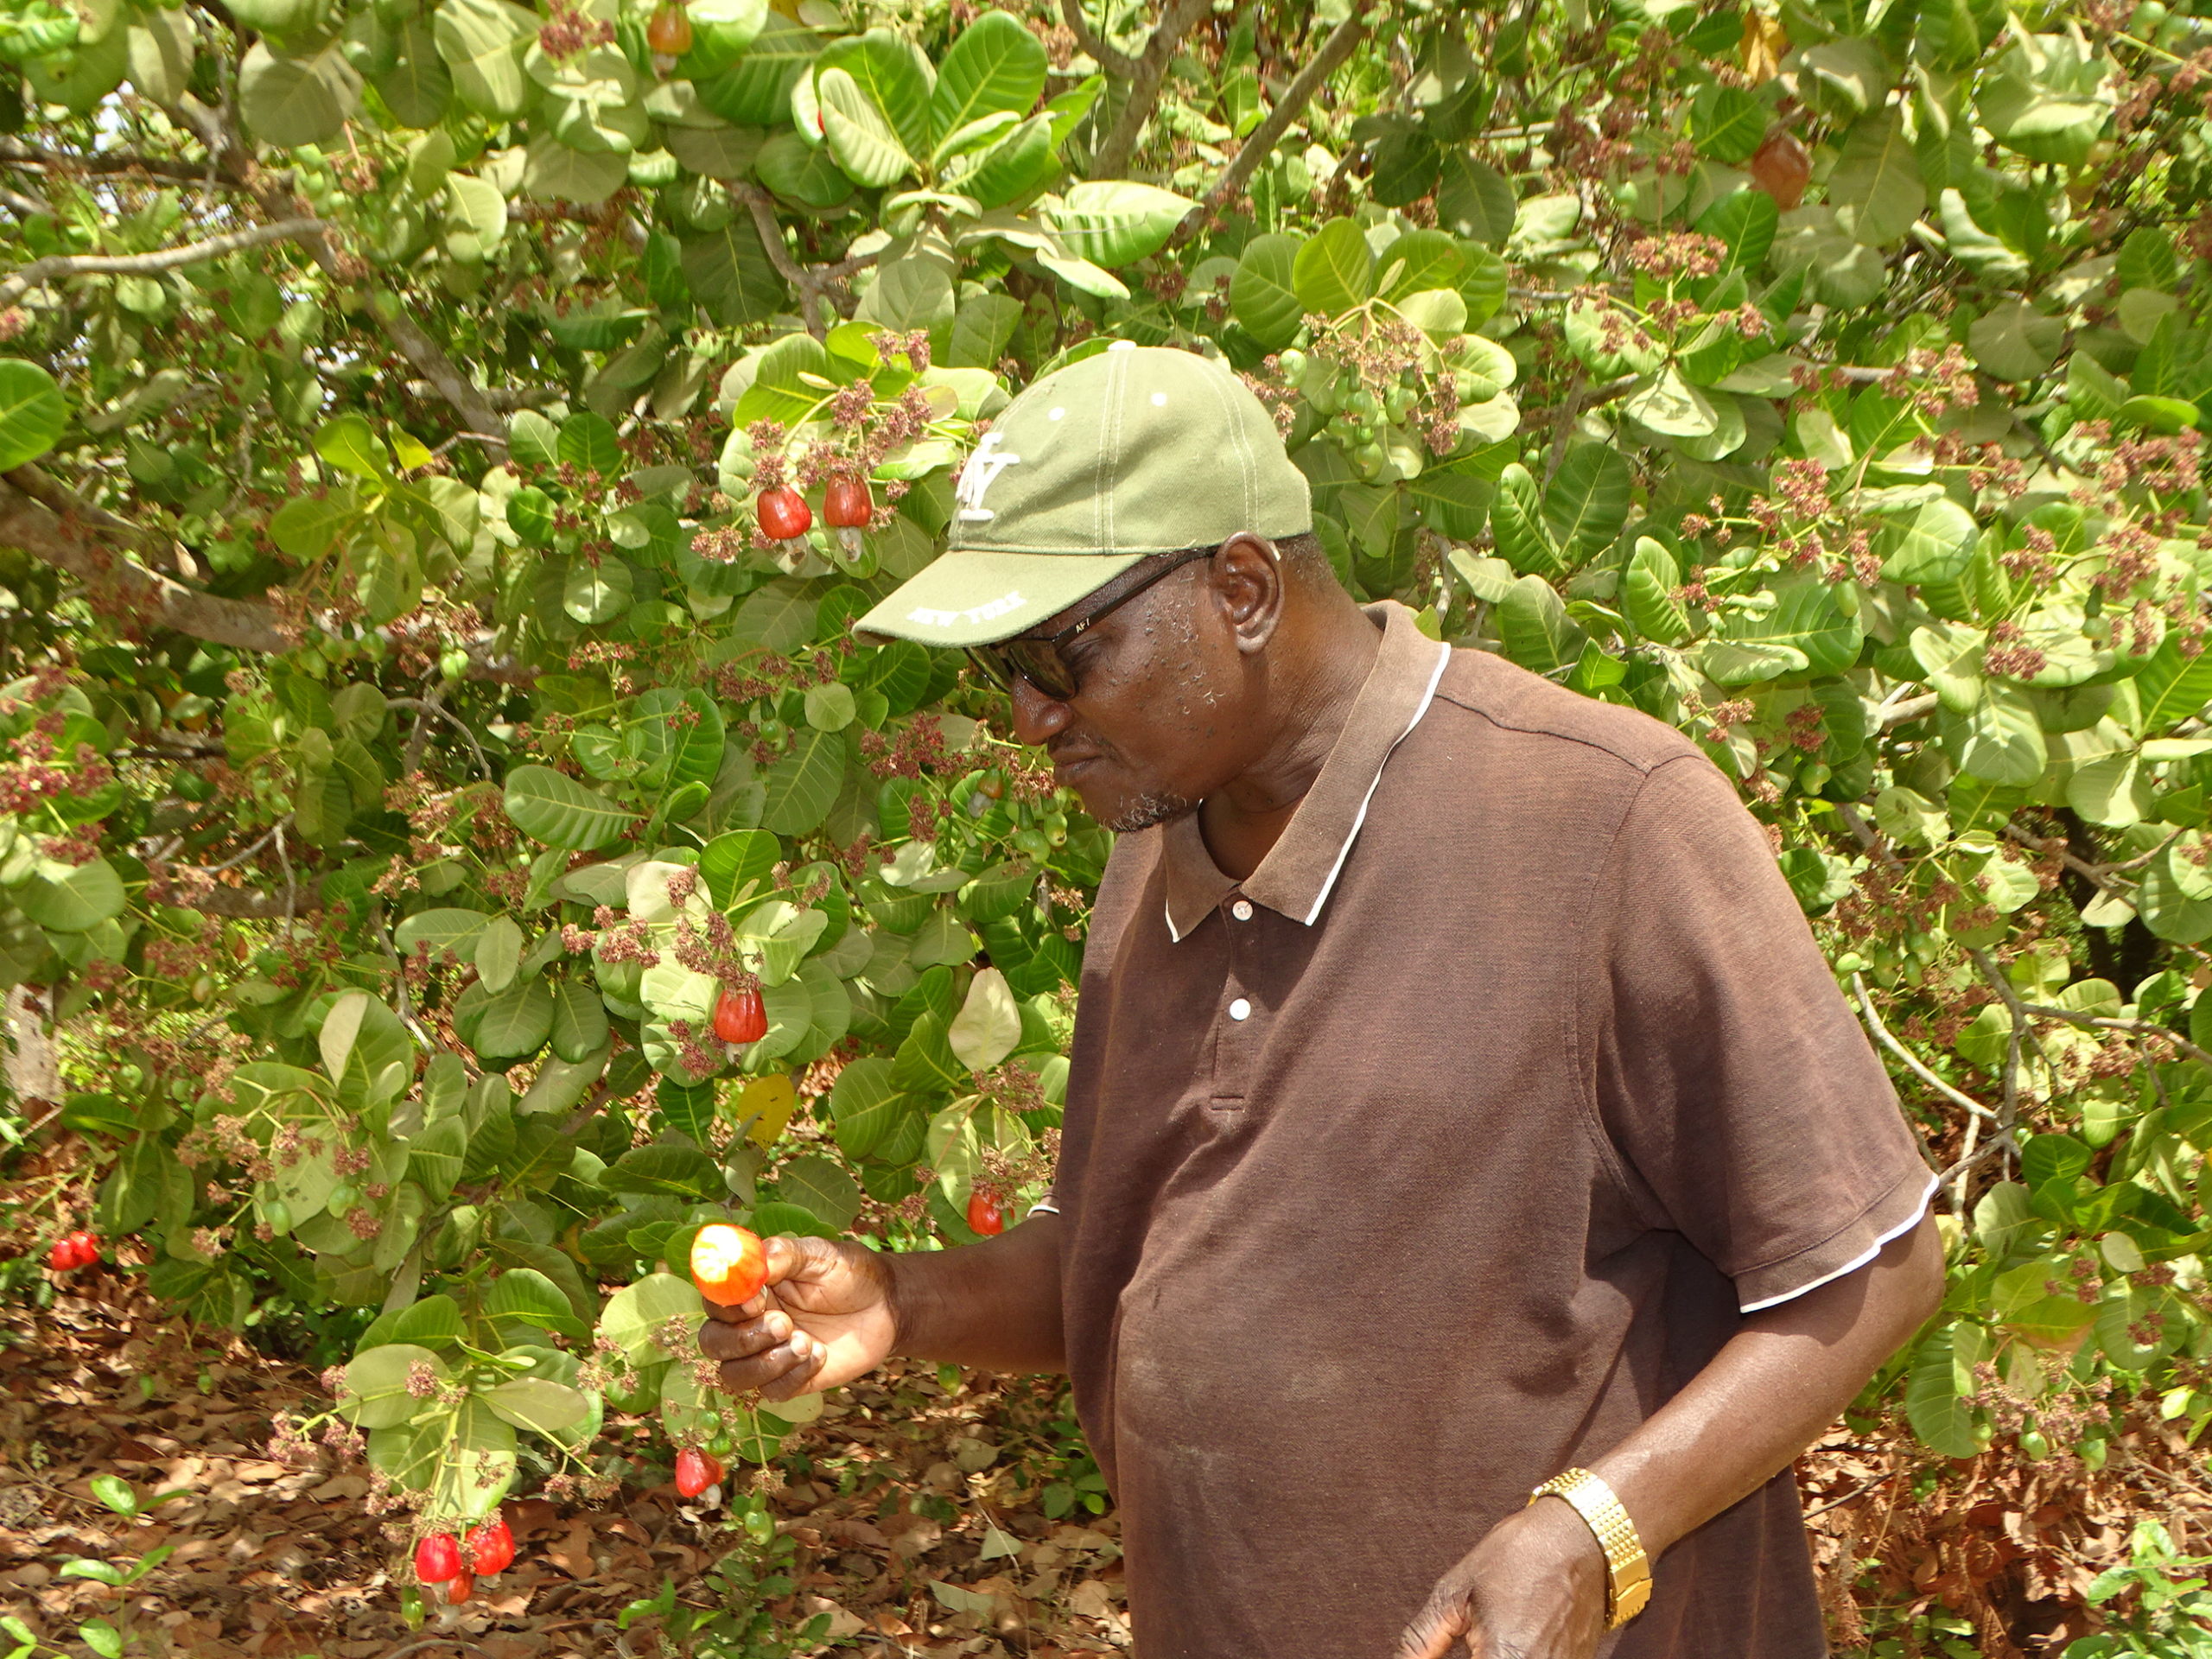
(1751, 1112)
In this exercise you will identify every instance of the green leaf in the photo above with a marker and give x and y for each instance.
(802, 785)
(1671, 406)
(481, 41)
(989, 1024)
(635, 1315)
(866, 1104)
(1587, 500)
(1113, 222)
(1935, 1402)
(2172, 687)
(663, 1168)
(1517, 523)
(289, 102)
(476, 1466)
(733, 861)
(1648, 594)
(561, 812)
(542, 1407)
(994, 66)
(1022, 161)
(2001, 741)
(1417, 261)
(1533, 623)
(1877, 177)
(515, 1022)
(32, 412)
(1936, 547)
(859, 136)
(891, 76)
(1473, 199)
(722, 31)
(1262, 296)
(589, 444)
(1726, 123)
(375, 1393)
(756, 90)
(597, 592)
(2014, 341)
(418, 88)
(76, 900)
(1333, 270)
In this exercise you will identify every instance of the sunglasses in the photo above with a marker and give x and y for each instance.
(1036, 657)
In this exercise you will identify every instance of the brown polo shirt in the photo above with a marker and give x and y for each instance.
(1433, 1159)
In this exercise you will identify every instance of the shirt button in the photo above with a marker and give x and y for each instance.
(1242, 910)
(1240, 1009)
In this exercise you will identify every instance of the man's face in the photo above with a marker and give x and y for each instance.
(1155, 725)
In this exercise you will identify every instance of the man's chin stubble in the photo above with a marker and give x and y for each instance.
(1146, 811)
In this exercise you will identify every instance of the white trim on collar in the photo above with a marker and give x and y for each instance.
(1428, 696)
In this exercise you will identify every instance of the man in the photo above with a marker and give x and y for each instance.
(1460, 1102)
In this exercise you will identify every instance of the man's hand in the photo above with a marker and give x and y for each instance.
(1534, 1588)
(824, 1318)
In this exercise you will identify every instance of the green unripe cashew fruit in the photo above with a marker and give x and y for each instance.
(1293, 364)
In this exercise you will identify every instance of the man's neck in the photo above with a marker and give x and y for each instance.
(1332, 645)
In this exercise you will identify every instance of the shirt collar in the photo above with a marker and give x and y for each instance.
(1296, 878)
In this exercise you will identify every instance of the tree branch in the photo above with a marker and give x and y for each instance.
(16, 153)
(234, 160)
(1149, 69)
(813, 282)
(51, 525)
(192, 253)
(1334, 51)
(1913, 1062)
(1113, 61)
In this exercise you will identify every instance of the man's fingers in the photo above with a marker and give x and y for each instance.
(799, 1377)
(1432, 1631)
(753, 1359)
(735, 1340)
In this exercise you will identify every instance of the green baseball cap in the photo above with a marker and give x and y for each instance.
(1134, 450)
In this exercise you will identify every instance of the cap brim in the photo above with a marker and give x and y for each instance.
(981, 598)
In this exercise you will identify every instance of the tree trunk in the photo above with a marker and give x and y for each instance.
(34, 1069)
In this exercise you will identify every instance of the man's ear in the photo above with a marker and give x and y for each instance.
(1247, 577)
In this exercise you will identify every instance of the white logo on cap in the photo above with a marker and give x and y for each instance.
(982, 470)
(989, 610)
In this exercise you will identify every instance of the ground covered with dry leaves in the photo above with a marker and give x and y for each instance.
(914, 1512)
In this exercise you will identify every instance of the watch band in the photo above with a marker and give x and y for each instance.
(1628, 1570)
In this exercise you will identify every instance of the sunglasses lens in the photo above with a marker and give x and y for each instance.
(991, 666)
(1040, 663)
(1027, 659)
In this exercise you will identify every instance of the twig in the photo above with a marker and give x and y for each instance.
(24, 206)
(232, 862)
(1919, 1068)
(233, 158)
(1911, 709)
(1114, 62)
(430, 706)
(1855, 1493)
(1955, 1176)
(16, 153)
(812, 281)
(2096, 873)
(2105, 1022)
(192, 253)
(1339, 47)
(1112, 159)
(48, 522)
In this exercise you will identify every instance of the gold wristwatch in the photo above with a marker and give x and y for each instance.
(1628, 1570)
